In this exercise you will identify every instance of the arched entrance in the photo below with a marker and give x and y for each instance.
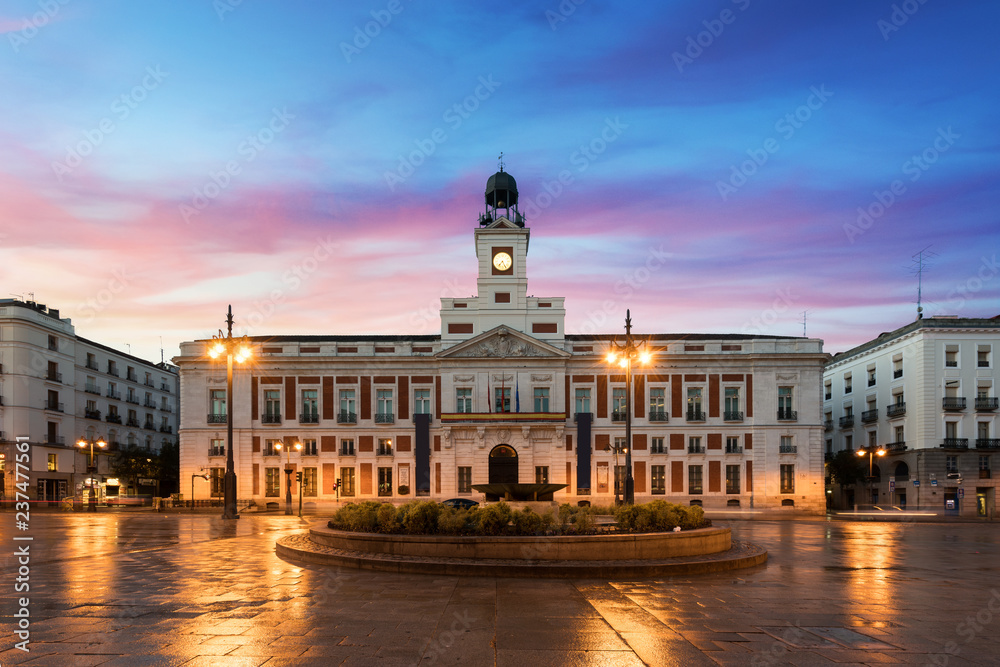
(503, 465)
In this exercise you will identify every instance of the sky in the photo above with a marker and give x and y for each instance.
(715, 166)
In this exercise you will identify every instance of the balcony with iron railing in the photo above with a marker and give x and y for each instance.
(345, 417)
(385, 418)
(113, 418)
(898, 373)
(165, 387)
(788, 449)
(149, 426)
(149, 404)
(955, 443)
(953, 403)
(695, 415)
(347, 451)
(696, 449)
(270, 418)
(987, 403)
(165, 408)
(166, 429)
(134, 423)
(987, 443)
(134, 400)
(658, 416)
(148, 383)
(215, 418)
(113, 371)
(869, 416)
(847, 421)
(217, 451)
(828, 425)
(92, 365)
(734, 449)
(55, 406)
(895, 410)
(309, 418)
(896, 447)
(92, 389)
(55, 440)
(116, 395)
(732, 416)
(787, 414)
(92, 414)
(617, 415)
(52, 376)
(383, 450)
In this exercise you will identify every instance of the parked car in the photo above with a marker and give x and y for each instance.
(460, 503)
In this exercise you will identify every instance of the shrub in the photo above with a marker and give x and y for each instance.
(492, 519)
(452, 521)
(357, 517)
(386, 516)
(404, 490)
(421, 517)
(693, 517)
(527, 522)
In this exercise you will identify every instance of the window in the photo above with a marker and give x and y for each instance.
(898, 433)
(787, 478)
(618, 403)
(694, 445)
(347, 481)
(897, 367)
(951, 356)
(619, 445)
(656, 446)
(91, 361)
(951, 430)
(501, 397)
(52, 466)
(541, 395)
(657, 404)
(983, 356)
(53, 372)
(694, 412)
(130, 374)
(871, 375)
(732, 404)
(732, 479)
(421, 401)
(309, 447)
(465, 479)
(384, 447)
(541, 474)
(951, 464)
(847, 383)
(272, 406)
(270, 449)
(583, 400)
(827, 390)
(658, 480)
(53, 343)
(984, 466)
(217, 481)
(872, 438)
(216, 447)
(310, 406)
(463, 399)
(309, 486)
(733, 445)
(785, 410)
(383, 406)
(849, 442)
(272, 482)
(347, 446)
(385, 481)
(694, 480)
(786, 446)
(348, 407)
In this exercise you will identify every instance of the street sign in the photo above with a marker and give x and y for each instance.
(933, 482)
(916, 482)
(892, 485)
(961, 493)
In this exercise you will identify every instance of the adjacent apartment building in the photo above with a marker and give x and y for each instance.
(927, 394)
(58, 388)
(504, 394)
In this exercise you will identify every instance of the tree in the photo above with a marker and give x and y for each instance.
(846, 468)
(133, 463)
(170, 467)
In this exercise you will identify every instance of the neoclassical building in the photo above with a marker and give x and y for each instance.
(503, 393)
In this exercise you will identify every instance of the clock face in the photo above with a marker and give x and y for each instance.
(502, 261)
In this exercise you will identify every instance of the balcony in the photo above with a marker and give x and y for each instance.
(344, 417)
(898, 373)
(165, 387)
(385, 418)
(847, 422)
(55, 440)
(149, 404)
(955, 443)
(896, 447)
(92, 365)
(309, 418)
(113, 418)
(134, 423)
(383, 451)
(787, 415)
(828, 425)
(502, 417)
(895, 410)
(134, 400)
(148, 382)
(987, 443)
(986, 403)
(577, 414)
(617, 415)
(658, 416)
(217, 451)
(788, 449)
(114, 394)
(734, 449)
(166, 408)
(92, 389)
(54, 377)
(218, 419)
(869, 416)
(92, 414)
(953, 403)
(270, 418)
(695, 416)
(696, 449)
(166, 429)
(347, 451)
(731, 416)
(55, 406)
(113, 371)
(149, 426)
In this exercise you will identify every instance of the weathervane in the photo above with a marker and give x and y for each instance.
(501, 160)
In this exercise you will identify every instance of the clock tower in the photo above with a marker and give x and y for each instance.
(502, 299)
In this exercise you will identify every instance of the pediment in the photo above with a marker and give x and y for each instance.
(502, 223)
(502, 342)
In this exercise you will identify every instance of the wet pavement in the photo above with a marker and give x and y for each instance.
(151, 589)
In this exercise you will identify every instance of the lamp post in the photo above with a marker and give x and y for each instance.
(623, 354)
(240, 349)
(91, 468)
(616, 449)
(871, 452)
(288, 472)
(193, 475)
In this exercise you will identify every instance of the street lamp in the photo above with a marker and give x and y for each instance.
(624, 354)
(871, 452)
(288, 472)
(240, 349)
(91, 468)
(193, 475)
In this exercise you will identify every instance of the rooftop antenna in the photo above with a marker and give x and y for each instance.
(500, 159)
(804, 313)
(920, 261)
(129, 348)
(161, 349)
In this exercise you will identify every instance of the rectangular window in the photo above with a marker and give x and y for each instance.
(309, 447)
(849, 442)
(217, 481)
(732, 407)
(983, 356)
(848, 386)
(385, 481)
(951, 430)
(656, 446)
(541, 395)
(52, 463)
(463, 399)
(827, 390)
(897, 367)
(582, 399)
(982, 430)
(657, 404)
(217, 447)
(984, 463)
(951, 356)
(347, 446)
(618, 403)
(732, 479)
(541, 474)
(787, 478)
(872, 438)
(694, 480)
(272, 404)
(501, 399)
(310, 406)
(348, 407)
(309, 486)
(785, 403)
(271, 448)
(465, 479)
(733, 445)
(384, 447)
(347, 482)
(951, 464)
(899, 434)
(786, 445)
(53, 343)
(383, 406)
(694, 445)
(694, 411)
(272, 482)
(871, 375)
(421, 401)
(658, 480)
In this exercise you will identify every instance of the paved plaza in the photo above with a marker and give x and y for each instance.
(159, 589)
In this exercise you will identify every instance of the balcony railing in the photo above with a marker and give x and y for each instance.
(953, 403)
(695, 416)
(113, 418)
(54, 377)
(54, 406)
(218, 419)
(166, 429)
(166, 408)
(734, 449)
(149, 404)
(92, 389)
(658, 416)
(617, 415)
(347, 451)
(344, 417)
(383, 451)
(869, 416)
(696, 449)
(309, 418)
(149, 426)
(987, 443)
(828, 425)
(114, 394)
(270, 418)
(785, 414)
(731, 416)
(986, 403)
(955, 443)
(847, 422)
(148, 382)
(895, 410)
(788, 449)
(894, 447)
(91, 414)
(113, 371)
(134, 423)
(92, 365)
(217, 451)
(134, 400)
(165, 387)
(384, 418)
(898, 373)
(55, 440)
(577, 414)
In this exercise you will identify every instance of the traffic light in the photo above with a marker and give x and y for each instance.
(298, 477)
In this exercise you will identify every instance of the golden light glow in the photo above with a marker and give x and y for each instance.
(612, 358)
(216, 350)
(244, 354)
(880, 452)
(81, 443)
(101, 443)
(645, 357)
(623, 362)
(861, 452)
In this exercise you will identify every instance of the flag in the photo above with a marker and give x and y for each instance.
(489, 399)
(517, 396)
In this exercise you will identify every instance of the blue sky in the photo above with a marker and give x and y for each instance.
(162, 160)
